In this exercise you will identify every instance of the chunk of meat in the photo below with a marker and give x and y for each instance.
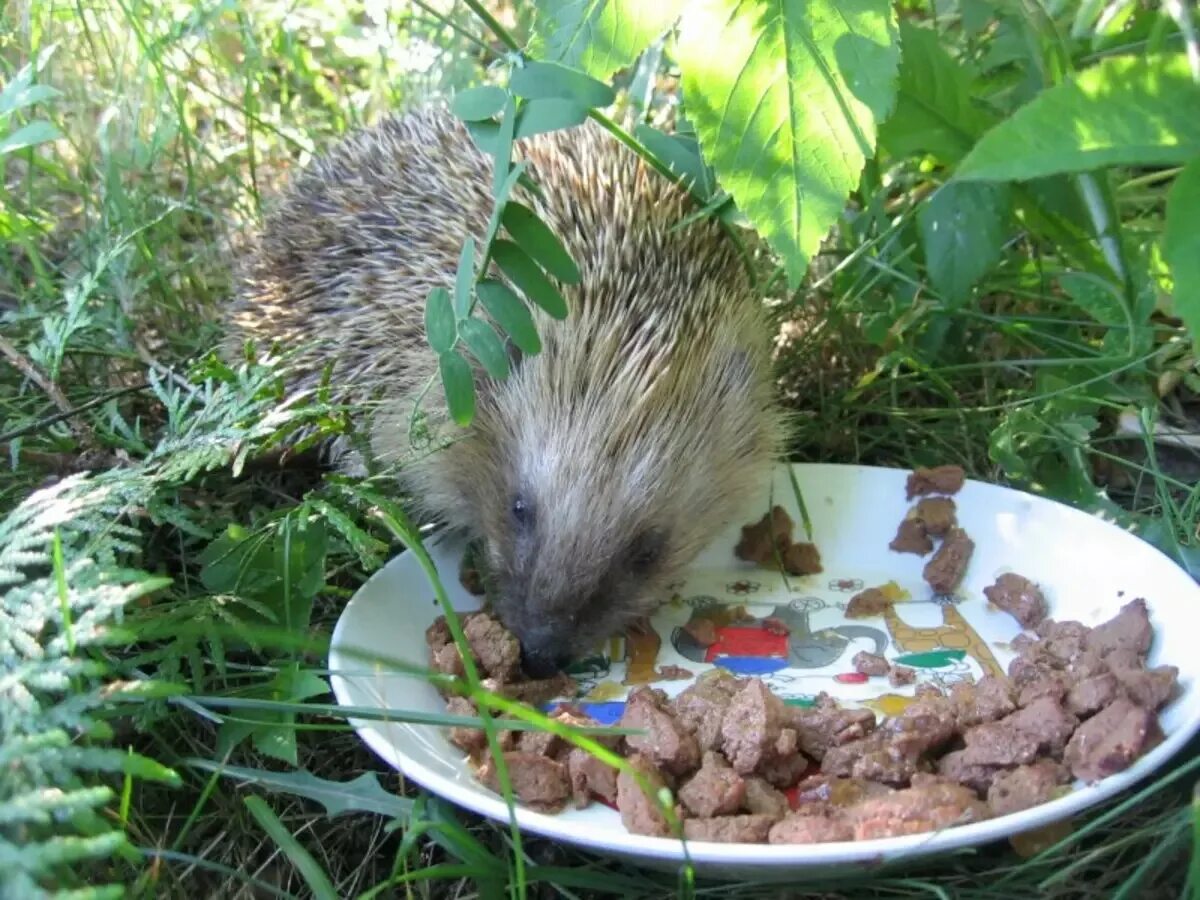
(948, 566)
(956, 767)
(667, 743)
(870, 664)
(470, 740)
(936, 480)
(438, 635)
(1026, 787)
(536, 691)
(1063, 641)
(715, 789)
(701, 707)
(801, 558)
(867, 604)
(745, 829)
(899, 676)
(1091, 694)
(784, 771)
(590, 776)
(998, 744)
(911, 537)
(916, 810)
(874, 758)
(702, 631)
(1150, 688)
(990, 699)
(760, 540)
(763, 799)
(1019, 597)
(1046, 721)
(1048, 684)
(835, 792)
(925, 725)
(495, 647)
(671, 672)
(537, 781)
(1129, 630)
(640, 812)
(826, 725)
(1110, 741)
(448, 661)
(753, 727)
(937, 514)
(810, 828)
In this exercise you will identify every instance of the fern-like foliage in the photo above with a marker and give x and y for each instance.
(67, 572)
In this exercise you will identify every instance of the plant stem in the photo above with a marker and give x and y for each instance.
(493, 25)
(1182, 14)
(1097, 209)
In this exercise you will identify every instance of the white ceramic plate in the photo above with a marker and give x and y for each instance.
(1087, 568)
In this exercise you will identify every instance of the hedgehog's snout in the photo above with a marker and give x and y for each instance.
(544, 651)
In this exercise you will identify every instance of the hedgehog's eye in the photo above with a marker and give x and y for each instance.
(646, 550)
(522, 512)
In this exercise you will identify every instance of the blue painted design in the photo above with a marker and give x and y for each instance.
(606, 713)
(751, 665)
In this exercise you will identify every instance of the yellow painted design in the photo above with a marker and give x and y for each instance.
(604, 691)
(641, 652)
(955, 633)
(888, 704)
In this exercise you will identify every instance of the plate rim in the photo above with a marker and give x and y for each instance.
(709, 853)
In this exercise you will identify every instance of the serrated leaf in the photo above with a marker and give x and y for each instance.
(547, 81)
(487, 347)
(785, 98)
(1181, 245)
(440, 329)
(528, 278)
(600, 36)
(29, 136)
(1121, 111)
(459, 387)
(963, 229)
(478, 103)
(463, 277)
(510, 313)
(362, 794)
(534, 236)
(934, 112)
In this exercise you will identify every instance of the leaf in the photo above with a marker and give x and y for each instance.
(1181, 245)
(478, 103)
(547, 80)
(481, 338)
(934, 113)
(1121, 111)
(535, 117)
(680, 155)
(510, 313)
(30, 135)
(533, 236)
(440, 329)
(362, 794)
(524, 273)
(459, 387)
(19, 93)
(600, 36)
(963, 230)
(785, 97)
(308, 867)
(463, 278)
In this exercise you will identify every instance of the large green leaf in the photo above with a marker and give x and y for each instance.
(963, 230)
(934, 112)
(1121, 111)
(459, 386)
(1181, 245)
(600, 36)
(785, 98)
(510, 313)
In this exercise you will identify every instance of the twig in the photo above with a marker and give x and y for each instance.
(24, 365)
(68, 413)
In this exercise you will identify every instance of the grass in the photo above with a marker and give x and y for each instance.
(179, 120)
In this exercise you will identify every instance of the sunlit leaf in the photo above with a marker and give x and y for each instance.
(547, 80)
(600, 36)
(478, 103)
(963, 229)
(1181, 245)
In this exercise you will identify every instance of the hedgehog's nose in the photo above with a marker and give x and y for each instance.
(542, 653)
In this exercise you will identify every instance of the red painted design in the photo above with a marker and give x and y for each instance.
(755, 641)
(850, 678)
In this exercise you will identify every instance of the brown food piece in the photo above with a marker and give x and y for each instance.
(946, 569)
(990, 699)
(1128, 630)
(811, 828)
(784, 771)
(998, 744)
(1063, 641)
(549, 744)
(673, 673)
(493, 645)
(867, 604)
(901, 675)
(747, 829)
(667, 743)
(448, 661)
(1026, 787)
(1019, 597)
(1091, 694)
(870, 664)
(954, 766)
(1048, 684)
(472, 741)
(832, 791)
(936, 514)
(701, 707)
(937, 480)
(759, 541)
(752, 727)
(438, 635)
(763, 799)
(715, 789)
(640, 814)
(702, 631)
(925, 725)
(1149, 688)
(1046, 721)
(915, 810)
(589, 776)
(1110, 741)
(874, 758)
(536, 692)
(537, 781)
(801, 558)
(827, 725)
(911, 537)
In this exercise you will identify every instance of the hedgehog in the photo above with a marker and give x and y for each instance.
(601, 466)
